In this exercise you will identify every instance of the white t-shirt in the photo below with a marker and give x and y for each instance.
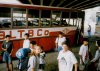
(26, 43)
(60, 40)
(33, 63)
(97, 55)
(42, 58)
(66, 60)
(84, 53)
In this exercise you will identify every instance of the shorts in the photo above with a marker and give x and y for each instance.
(7, 58)
(59, 48)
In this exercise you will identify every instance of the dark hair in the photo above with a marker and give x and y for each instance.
(7, 36)
(66, 43)
(27, 34)
(61, 33)
(85, 39)
(33, 42)
(98, 42)
(41, 47)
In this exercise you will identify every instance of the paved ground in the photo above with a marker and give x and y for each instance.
(50, 58)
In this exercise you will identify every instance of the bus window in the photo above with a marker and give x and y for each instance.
(45, 18)
(19, 17)
(5, 17)
(56, 18)
(73, 16)
(33, 18)
(65, 19)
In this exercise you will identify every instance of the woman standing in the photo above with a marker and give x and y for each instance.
(66, 59)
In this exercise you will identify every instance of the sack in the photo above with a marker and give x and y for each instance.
(23, 52)
(81, 67)
(20, 54)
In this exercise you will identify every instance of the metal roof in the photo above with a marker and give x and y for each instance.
(74, 4)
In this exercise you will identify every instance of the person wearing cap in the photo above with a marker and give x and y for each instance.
(7, 47)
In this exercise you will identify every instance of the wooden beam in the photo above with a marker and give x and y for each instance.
(87, 4)
(79, 3)
(70, 3)
(87, 7)
(30, 1)
(61, 3)
(41, 2)
(51, 2)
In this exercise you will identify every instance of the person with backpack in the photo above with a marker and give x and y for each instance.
(7, 47)
(59, 40)
(66, 59)
(97, 56)
(23, 55)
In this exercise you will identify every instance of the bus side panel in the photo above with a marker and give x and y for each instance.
(46, 43)
(53, 42)
(17, 45)
(35, 39)
(71, 36)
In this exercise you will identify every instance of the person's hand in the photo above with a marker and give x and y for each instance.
(82, 63)
(92, 61)
(5, 49)
(10, 54)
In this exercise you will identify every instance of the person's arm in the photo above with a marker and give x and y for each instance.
(80, 54)
(3, 48)
(11, 48)
(81, 59)
(58, 58)
(76, 66)
(11, 52)
(96, 56)
(33, 69)
(56, 42)
(74, 61)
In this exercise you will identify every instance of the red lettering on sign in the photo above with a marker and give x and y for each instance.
(31, 33)
(21, 31)
(39, 32)
(11, 35)
(2, 35)
(46, 32)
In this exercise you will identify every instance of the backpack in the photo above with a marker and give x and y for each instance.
(22, 53)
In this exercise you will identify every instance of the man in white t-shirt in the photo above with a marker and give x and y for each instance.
(59, 41)
(83, 52)
(66, 59)
(26, 43)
